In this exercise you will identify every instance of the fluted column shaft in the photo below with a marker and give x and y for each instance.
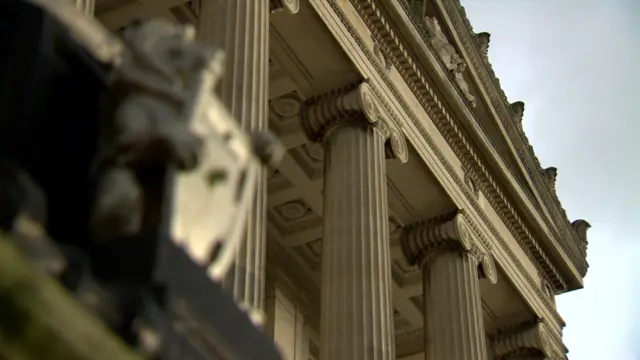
(241, 28)
(449, 257)
(357, 310)
(453, 310)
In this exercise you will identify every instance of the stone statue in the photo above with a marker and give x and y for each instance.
(449, 56)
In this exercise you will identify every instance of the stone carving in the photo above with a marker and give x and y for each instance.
(314, 151)
(421, 240)
(291, 6)
(410, 73)
(488, 268)
(580, 227)
(449, 56)
(483, 40)
(550, 175)
(286, 106)
(471, 184)
(352, 105)
(441, 45)
(379, 52)
(518, 111)
(528, 340)
(293, 210)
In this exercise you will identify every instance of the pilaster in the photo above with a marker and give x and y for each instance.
(241, 28)
(357, 310)
(450, 259)
(285, 309)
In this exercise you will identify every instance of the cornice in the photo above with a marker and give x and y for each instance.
(507, 113)
(574, 253)
(433, 107)
(409, 71)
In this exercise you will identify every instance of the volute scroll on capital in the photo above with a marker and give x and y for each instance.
(420, 241)
(353, 105)
(291, 6)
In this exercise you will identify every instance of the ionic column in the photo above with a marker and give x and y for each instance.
(526, 341)
(356, 304)
(241, 28)
(449, 258)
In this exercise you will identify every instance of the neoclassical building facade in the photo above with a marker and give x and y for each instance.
(410, 218)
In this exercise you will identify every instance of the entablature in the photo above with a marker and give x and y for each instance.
(509, 116)
(552, 227)
(406, 95)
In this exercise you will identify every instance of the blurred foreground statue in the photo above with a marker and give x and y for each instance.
(112, 151)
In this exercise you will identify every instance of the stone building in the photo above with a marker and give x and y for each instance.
(410, 218)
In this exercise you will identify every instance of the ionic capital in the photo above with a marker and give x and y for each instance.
(449, 233)
(529, 340)
(291, 6)
(352, 106)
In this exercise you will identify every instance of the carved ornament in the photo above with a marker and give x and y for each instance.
(550, 175)
(291, 6)
(483, 40)
(528, 156)
(529, 340)
(450, 233)
(409, 72)
(518, 111)
(449, 56)
(353, 106)
(414, 78)
(580, 227)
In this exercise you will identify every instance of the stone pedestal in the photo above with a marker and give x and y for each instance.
(356, 303)
(449, 258)
(241, 28)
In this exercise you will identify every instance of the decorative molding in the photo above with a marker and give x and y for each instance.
(429, 105)
(520, 141)
(293, 210)
(422, 240)
(291, 6)
(449, 56)
(518, 112)
(355, 104)
(483, 39)
(550, 174)
(380, 55)
(471, 184)
(452, 133)
(527, 340)
(286, 106)
(580, 227)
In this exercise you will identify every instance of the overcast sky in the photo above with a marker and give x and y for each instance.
(576, 65)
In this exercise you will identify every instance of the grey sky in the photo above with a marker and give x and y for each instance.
(575, 63)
